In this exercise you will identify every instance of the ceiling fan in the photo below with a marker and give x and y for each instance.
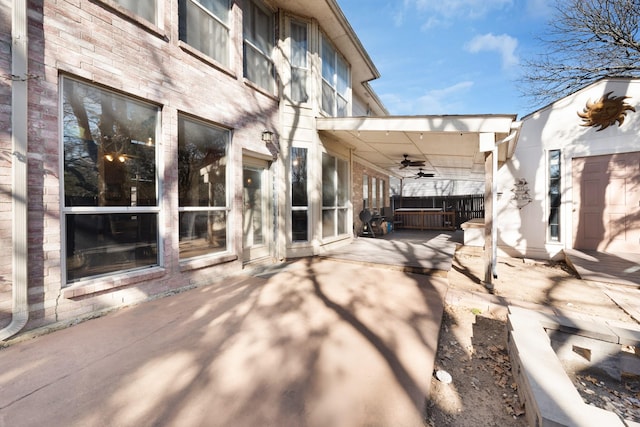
(406, 162)
(421, 174)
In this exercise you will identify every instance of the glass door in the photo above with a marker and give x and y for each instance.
(256, 210)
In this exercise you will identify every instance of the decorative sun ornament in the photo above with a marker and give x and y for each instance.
(605, 112)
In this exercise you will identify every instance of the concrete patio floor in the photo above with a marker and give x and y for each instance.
(314, 342)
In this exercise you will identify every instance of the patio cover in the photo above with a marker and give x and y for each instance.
(453, 147)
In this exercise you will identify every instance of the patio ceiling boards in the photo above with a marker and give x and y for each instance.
(449, 145)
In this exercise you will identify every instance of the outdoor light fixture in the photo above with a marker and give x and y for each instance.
(267, 136)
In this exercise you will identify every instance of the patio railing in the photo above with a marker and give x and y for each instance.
(424, 219)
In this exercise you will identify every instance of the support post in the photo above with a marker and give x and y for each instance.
(488, 218)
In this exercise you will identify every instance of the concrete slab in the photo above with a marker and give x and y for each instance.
(619, 268)
(425, 252)
(320, 343)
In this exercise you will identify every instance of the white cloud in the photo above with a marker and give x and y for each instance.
(446, 100)
(504, 44)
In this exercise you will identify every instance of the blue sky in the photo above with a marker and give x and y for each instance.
(449, 56)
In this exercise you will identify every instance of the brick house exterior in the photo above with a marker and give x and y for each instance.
(107, 53)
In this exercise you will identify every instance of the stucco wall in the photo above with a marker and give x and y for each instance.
(523, 232)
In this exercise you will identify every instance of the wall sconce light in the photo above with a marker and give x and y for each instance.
(267, 136)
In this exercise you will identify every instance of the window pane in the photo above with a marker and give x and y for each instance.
(342, 221)
(299, 226)
(555, 195)
(374, 194)
(328, 223)
(219, 8)
(202, 233)
(365, 191)
(200, 29)
(109, 148)
(144, 8)
(328, 181)
(253, 208)
(342, 106)
(299, 85)
(328, 62)
(299, 177)
(299, 62)
(258, 68)
(298, 44)
(328, 99)
(343, 77)
(104, 243)
(202, 151)
(343, 181)
(261, 34)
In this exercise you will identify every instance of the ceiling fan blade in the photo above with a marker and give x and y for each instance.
(416, 163)
(403, 166)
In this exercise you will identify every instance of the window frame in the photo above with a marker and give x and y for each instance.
(249, 42)
(303, 69)
(300, 207)
(224, 58)
(341, 189)
(226, 209)
(554, 183)
(108, 211)
(333, 82)
(156, 6)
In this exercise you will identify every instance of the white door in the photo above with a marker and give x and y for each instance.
(256, 212)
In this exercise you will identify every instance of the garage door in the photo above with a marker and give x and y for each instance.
(606, 195)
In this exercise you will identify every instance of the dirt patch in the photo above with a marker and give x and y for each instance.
(472, 343)
(472, 349)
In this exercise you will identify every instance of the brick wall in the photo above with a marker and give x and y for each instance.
(106, 46)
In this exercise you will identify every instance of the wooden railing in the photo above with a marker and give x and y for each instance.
(420, 219)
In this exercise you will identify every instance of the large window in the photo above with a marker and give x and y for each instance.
(335, 81)
(145, 8)
(299, 198)
(258, 46)
(299, 62)
(202, 188)
(555, 196)
(335, 196)
(110, 182)
(204, 24)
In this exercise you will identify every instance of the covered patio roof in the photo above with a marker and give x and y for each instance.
(451, 146)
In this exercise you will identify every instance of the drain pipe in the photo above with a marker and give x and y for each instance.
(19, 77)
